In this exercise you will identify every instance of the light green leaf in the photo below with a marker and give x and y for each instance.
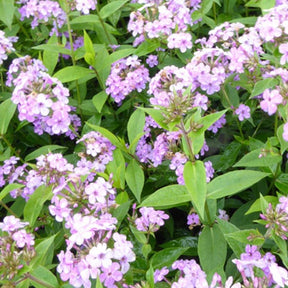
(9, 188)
(212, 250)
(89, 50)
(167, 197)
(45, 276)
(195, 181)
(233, 182)
(35, 203)
(228, 228)
(157, 115)
(262, 85)
(243, 236)
(45, 251)
(258, 158)
(7, 12)
(117, 168)
(135, 125)
(283, 143)
(256, 206)
(111, 8)
(44, 150)
(99, 100)
(72, 73)
(7, 110)
(54, 48)
(85, 19)
(135, 178)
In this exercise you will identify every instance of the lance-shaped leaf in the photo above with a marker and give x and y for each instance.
(195, 181)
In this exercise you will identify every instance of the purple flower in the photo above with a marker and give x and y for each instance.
(193, 219)
(271, 99)
(160, 274)
(243, 112)
(152, 60)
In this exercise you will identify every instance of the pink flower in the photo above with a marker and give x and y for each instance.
(271, 99)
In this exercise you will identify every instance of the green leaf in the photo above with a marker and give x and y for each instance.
(135, 178)
(167, 197)
(147, 47)
(117, 168)
(106, 133)
(111, 8)
(44, 252)
(282, 183)
(9, 188)
(212, 250)
(54, 48)
(99, 100)
(85, 19)
(43, 150)
(139, 235)
(7, 110)
(45, 276)
(227, 228)
(72, 73)
(35, 203)
(135, 125)
(283, 143)
(166, 257)
(262, 85)
(89, 50)
(233, 182)
(195, 181)
(157, 115)
(119, 54)
(257, 207)
(150, 277)
(243, 236)
(50, 58)
(258, 158)
(7, 12)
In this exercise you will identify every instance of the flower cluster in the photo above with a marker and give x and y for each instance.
(126, 76)
(272, 272)
(43, 11)
(41, 99)
(166, 20)
(98, 153)
(16, 247)
(191, 275)
(277, 218)
(6, 46)
(150, 220)
(99, 251)
(49, 11)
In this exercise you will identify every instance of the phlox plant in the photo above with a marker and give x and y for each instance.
(143, 143)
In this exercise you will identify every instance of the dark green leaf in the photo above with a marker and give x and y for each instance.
(166, 257)
(135, 178)
(212, 249)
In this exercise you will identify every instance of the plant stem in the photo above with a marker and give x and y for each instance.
(7, 208)
(103, 25)
(188, 141)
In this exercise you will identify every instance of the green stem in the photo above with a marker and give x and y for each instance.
(240, 128)
(214, 12)
(10, 146)
(7, 208)
(207, 212)
(103, 25)
(188, 140)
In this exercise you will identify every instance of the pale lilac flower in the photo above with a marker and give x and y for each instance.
(6, 46)
(193, 220)
(283, 49)
(243, 112)
(223, 215)
(160, 274)
(209, 170)
(11, 224)
(152, 60)
(271, 100)
(22, 238)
